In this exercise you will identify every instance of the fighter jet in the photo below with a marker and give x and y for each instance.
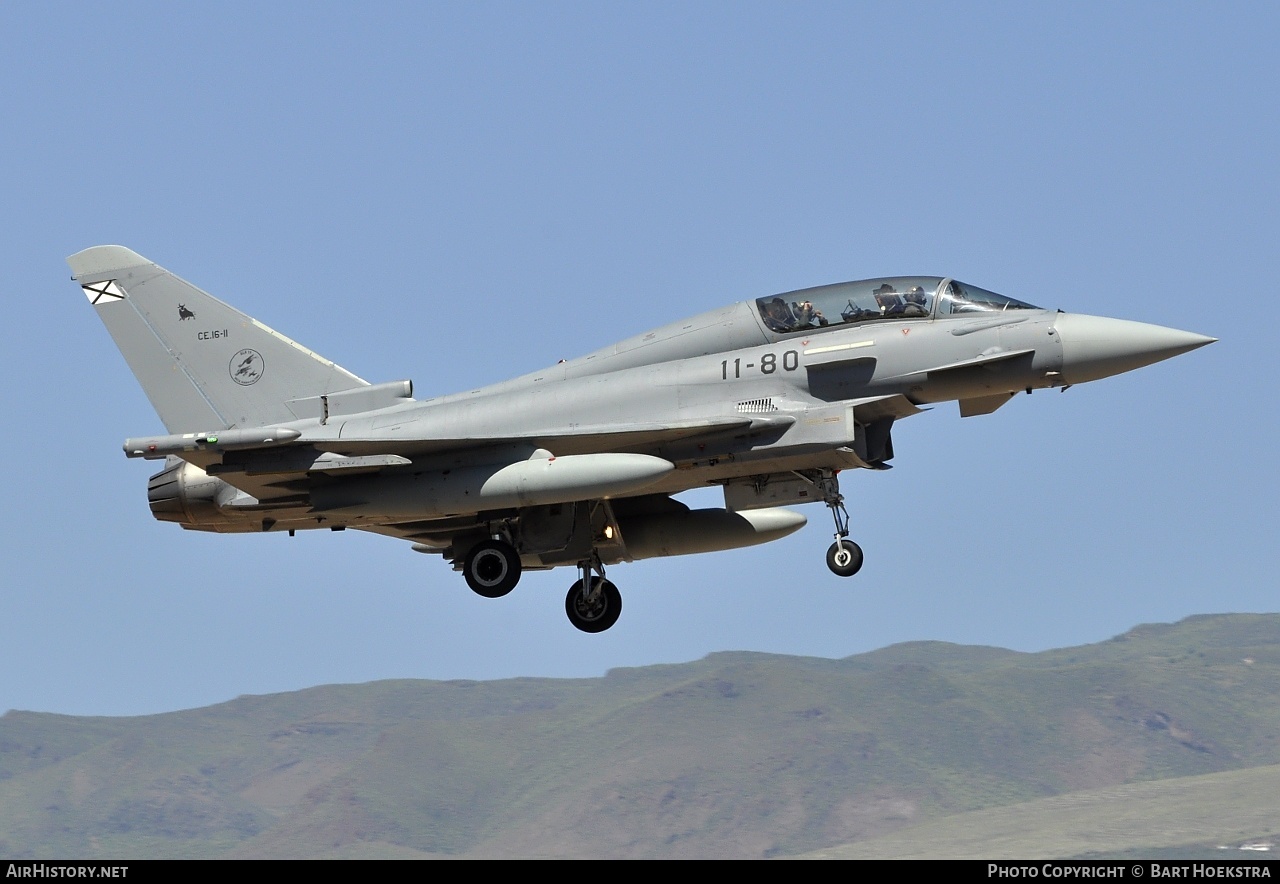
(577, 464)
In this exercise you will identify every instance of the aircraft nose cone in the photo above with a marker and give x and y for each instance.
(1097, 347)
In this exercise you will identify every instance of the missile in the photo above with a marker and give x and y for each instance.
(158, 447)
(542, 479)
(652, 535)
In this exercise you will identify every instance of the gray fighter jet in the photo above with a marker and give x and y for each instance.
(576, 464)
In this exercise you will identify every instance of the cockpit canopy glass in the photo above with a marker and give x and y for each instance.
(960, 297)
(867, 300)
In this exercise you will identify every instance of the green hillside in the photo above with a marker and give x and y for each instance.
(735, 755)
(1206, 817)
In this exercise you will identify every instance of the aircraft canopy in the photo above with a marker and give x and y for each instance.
(867, 300)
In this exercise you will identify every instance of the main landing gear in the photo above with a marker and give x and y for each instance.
(492, 568)
(844, 557)
(593, 603)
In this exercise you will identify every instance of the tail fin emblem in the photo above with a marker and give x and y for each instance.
(246, 367)
(102, 292)
(184, 314)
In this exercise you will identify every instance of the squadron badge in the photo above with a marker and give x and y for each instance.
(246, 367)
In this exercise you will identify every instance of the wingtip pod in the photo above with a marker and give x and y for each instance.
(98, 260)
(159, 447)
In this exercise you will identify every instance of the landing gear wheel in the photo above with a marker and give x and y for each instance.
(844, 558)
(596, 613)
(492, 568)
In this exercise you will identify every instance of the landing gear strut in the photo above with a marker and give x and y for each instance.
(844, 557)
(492, 568)
(593, 603)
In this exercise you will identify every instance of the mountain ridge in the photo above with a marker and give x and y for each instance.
(739, 754)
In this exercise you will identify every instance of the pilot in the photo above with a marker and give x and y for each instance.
(778, 316)
(889, 301)
(916, 303)
(807, 315)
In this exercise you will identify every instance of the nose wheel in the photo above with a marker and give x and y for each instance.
(844, 557)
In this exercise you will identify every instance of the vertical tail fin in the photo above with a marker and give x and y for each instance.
(202, 363)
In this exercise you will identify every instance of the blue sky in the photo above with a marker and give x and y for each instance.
(459, 193)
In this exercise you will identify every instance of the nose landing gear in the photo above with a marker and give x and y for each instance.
(844, 557)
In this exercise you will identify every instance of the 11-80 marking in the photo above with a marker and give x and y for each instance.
(768, 364)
